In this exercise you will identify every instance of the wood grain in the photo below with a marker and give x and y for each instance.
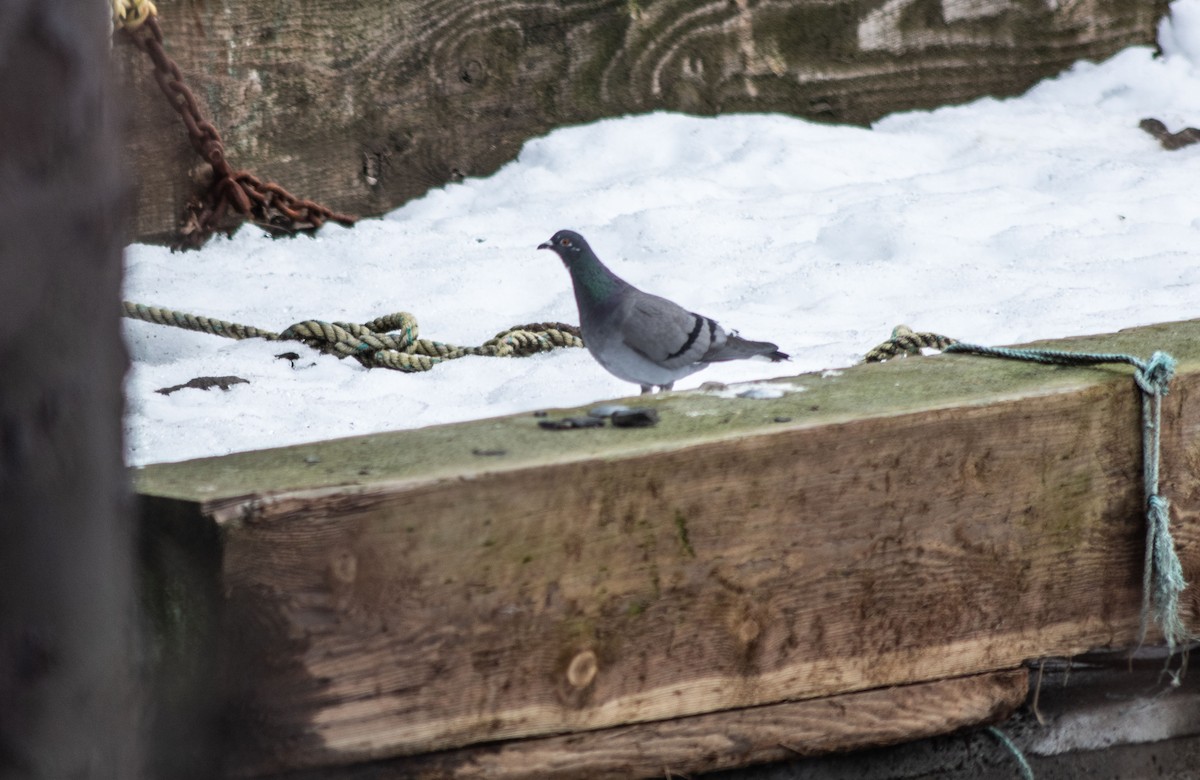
(363, 105)
(818, 562)
(723, 740)
(915, 521)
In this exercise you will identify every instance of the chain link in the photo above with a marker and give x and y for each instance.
(266, 204)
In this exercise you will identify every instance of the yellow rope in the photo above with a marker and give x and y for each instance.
(132, 14)
(905, 342)
(390, 341)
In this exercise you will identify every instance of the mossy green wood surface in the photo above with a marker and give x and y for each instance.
(913, 521)
(899, 387)
(364, 105)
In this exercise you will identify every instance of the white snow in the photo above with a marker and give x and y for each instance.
(1047, 215)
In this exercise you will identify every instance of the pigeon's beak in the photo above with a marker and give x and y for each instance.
(545, 245)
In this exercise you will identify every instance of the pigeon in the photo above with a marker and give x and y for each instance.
(640, 337)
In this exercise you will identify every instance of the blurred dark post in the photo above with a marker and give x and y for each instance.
(69, 704)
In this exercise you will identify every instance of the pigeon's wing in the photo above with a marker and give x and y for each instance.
(666, 333)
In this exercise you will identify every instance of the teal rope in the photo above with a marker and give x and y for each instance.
(1162, 574)
(1006, 741)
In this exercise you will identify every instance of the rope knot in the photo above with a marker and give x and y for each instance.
(1154, 377)
(1162, 572)
(132, 14)
(390, 341)
(1158, 509)
(905, 342)
(519, 342)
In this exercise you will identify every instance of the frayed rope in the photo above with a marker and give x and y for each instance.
(1162, 576)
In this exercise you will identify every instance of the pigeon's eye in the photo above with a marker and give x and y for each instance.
(565, 241)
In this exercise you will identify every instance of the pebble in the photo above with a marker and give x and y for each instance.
(635, 418)
(604, 411)
(570, 423)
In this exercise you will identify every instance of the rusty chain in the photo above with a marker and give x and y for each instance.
(266, 204)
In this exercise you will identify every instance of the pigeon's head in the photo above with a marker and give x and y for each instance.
(567, 244)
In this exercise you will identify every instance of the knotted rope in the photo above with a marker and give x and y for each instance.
(905, 342)
(1162, 576)
(390, 341)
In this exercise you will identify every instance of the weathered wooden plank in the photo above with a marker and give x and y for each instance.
(70, 687)
(706, 743)
(363, 105)
(914, 521)
(1115, 724)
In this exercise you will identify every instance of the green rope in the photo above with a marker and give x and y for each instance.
(1162, 573)
(390, 341)
(1018, 756)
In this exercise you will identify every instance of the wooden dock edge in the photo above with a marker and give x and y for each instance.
(885, 527)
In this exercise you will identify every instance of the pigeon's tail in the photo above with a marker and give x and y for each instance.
(738, 348)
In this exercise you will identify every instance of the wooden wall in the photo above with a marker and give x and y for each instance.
(364, 104)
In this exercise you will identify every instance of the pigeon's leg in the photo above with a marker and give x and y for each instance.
(667, 386)
(646, 389)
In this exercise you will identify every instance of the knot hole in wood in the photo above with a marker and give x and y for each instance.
(344, 566)
(582, 669)
(748, 631)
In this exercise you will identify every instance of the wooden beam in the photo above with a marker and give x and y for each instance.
(722, 740)
(362, 104)
(892, 524)
(70, 656)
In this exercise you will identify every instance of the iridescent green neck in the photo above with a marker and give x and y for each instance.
(592, 279)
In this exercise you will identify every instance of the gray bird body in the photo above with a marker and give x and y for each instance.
(640, 337)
